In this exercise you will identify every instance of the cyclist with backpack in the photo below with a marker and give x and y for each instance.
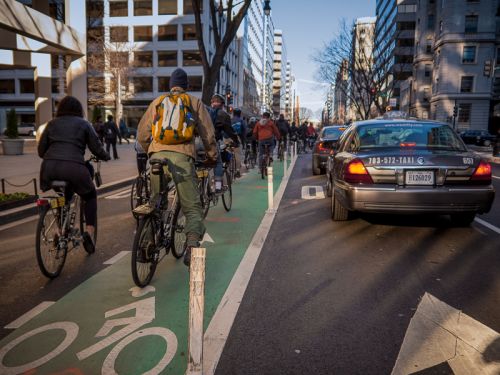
(166, 131)
(240, 128)
(265, 132)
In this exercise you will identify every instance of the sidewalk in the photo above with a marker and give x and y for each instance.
(21, 169)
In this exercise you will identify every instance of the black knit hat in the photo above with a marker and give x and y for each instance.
(179, 78)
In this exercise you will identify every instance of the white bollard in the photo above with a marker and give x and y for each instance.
(196, 307)
(295, 146)
(270, 189)
(284, 165)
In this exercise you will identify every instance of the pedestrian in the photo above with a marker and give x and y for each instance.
(99, 128)
(265, 132)
(110, 135)
(224, 132)
(240, 128)
(174, 141)
(123, 131)
(62, 146)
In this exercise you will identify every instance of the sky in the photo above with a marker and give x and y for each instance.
(306, 26)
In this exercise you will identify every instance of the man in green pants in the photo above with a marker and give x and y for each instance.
(167, 131)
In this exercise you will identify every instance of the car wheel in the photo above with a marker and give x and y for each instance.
(463, 220)
(338, 212)
(316, 169)
(487, 143)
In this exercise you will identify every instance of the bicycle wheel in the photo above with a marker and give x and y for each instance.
(203, 186)
(49, 254)
(134, 195)
(83, 223)
(178, 236)
(145, 252)
(227, 193)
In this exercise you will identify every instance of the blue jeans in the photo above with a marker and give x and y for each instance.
(262, 145)
(218, 170)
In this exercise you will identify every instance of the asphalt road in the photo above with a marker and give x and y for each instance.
(22, 286)
(337, 297)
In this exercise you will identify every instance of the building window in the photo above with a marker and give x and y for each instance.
(95, 9)
(95, 61)
(143, 33)
(469, 55)
(57, 10)
(7, 86)
(143, 59)
(95, 35)
(195, 83)
(96, 85)
(188, 32)
(406, 42)
(118, 8)
(191, 58)
(466, 84)
(164, 84)
(464, 112)
(428, 46)
(427, 95)
(118, 34)
(167, 33)
(188, 7)
(27, 86)
(118, 59)
(142, 84)
(167, 6)
(167, 58)
(428, 70)
(143, 8)
(471, 24)
(430, 21)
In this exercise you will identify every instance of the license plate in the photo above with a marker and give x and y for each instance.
(57, 202)
(419, 178)
(202, 173)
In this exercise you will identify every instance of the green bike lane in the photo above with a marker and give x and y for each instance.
(107, 325)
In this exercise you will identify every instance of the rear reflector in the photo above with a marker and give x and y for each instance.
(482, 172)
(42, 202)
(356, 172)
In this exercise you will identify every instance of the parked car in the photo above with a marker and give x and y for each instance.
(327, 139)
(132, 132)
(478, 137)
(25, 128)
(403, 166)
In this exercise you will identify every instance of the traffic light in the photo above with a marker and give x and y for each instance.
(455, 111)
(229, 99)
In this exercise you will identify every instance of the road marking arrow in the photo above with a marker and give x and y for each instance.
(439, 333)
(207, 238)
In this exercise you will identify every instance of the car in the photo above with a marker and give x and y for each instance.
(407, 166)
(25, 128)
(327, 139)
(478, 137)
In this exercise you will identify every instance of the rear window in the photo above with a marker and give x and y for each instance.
(333, 133)
(393, 135)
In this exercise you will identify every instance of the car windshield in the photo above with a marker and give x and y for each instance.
(407, 135)
(333, 133)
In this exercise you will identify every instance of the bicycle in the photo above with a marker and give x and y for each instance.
(207, 193)
(250, 157)
(141, 189)
(281, 150)
(161, 228)
(228, 163)
(265, 161)
(57, 233)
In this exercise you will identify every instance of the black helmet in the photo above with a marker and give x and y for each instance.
(237, 112)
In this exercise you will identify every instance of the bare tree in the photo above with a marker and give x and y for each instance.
(305, 114)
(222, 38)
(366, 88)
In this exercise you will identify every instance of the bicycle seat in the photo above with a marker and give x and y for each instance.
(58, 185)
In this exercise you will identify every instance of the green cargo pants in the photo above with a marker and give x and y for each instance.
(181, 169)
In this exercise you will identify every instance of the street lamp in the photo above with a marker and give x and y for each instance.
(267, 7)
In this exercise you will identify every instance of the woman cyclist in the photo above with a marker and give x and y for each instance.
(62, 146)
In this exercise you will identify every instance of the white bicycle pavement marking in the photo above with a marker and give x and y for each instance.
(117, 257)
(23, 319)
(318, 190)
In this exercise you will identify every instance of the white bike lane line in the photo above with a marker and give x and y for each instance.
(102, 326)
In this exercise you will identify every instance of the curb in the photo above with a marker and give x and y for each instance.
(22, 212)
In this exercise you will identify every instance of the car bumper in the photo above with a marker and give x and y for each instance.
(411, 200)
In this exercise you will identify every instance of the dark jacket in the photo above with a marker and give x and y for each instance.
(243, 125)
(283, 127)
(66, 138)
(222, 124)
(110, 131)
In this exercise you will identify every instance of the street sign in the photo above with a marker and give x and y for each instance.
(393, 102)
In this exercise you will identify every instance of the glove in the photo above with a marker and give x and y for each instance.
(210, 163)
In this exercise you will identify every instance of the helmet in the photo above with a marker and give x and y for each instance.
(237, 111)
(219, 97)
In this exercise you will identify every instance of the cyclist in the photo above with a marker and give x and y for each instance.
(174, 141)
(311, 134)
(302, 135)
(62, 146)
(265, 132)
(240, 128)
(223, 129)
(250, 139)
(284, 128)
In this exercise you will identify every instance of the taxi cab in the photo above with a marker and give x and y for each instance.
(407, 166)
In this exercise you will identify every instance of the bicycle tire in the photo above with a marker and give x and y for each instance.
(82, 224)
(60, 254)
(227, 195)
(145, 252)
(205, 201)
(134, 196)
(177, 233)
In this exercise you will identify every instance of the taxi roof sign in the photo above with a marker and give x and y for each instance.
(396, 115)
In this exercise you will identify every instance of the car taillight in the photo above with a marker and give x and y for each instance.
(42, 202)
(482, 172)
(355, 172)
(320, 147)
(407, 144)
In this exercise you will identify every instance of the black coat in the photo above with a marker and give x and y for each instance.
(110, 131)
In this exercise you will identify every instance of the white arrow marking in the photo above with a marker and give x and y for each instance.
(318, 192)
(439, 333)
(139, 292)
(207, 238)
